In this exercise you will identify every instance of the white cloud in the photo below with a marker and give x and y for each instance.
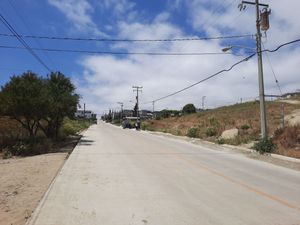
(78, 12)
(109, 79)
(120, 9)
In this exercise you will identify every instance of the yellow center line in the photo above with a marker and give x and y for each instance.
(240, 183)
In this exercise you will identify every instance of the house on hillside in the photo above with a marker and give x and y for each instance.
(291, 94)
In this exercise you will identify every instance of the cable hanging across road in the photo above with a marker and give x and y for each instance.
(221, 71)
(129, 40)
(123, 53)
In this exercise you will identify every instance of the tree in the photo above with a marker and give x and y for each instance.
(62, 102)
(189, 108)
(24, 99)
(39, 103)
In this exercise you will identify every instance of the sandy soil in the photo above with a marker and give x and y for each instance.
(23, 182)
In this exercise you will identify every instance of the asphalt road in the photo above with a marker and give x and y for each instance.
(126, 177)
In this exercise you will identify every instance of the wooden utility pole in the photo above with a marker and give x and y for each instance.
(263, 117)
(137, 89)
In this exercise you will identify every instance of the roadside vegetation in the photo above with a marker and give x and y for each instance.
(244, 118)
(37, 114)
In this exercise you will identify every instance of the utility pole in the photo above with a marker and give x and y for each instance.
(203, 98)
(282, 115)
(137, 89)
(153, 102)
(83, 110)
(121, 104)
(263, 118)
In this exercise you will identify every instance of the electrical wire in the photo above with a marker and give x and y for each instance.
(207, 78)
(282, 45)
(123, 53)
(11, 3)
(13, 31)
(273, 72)
(221, 71)
(129, 40)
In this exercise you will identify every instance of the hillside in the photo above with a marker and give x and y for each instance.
(210, 124)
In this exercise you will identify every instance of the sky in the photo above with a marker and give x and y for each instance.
(102, 80)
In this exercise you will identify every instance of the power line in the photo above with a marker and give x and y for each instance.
(129, 40)
(222, 71)
(13, 31)
(123, 53)
(273, 72)
(218, 10)
(282, 45)
(207, 78)
(11, 3)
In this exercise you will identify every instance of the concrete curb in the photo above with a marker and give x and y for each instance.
(197, 141)
(286, 158)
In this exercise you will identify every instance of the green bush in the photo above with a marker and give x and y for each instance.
(245, 127)
(189, 108)
(192, 132)
(144, 126)
(210, 131)
(220, 141)
(264, 145)
(72, 127)
(28, 147)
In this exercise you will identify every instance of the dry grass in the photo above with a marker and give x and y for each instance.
(10, 131)
(245, 117)
(288, 141)
(234, 116)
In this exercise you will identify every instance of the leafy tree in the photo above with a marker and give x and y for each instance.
(24, 99)
(61, 102)
(165, 113)
(189, 108)
(39, 103)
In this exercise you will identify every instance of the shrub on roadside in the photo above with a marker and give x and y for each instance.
(245, 127)
(264, 145)
(28, 147)
(144, 126)
(211, 131)
(288, 137)
(220, 141)
(192, 132)
(72, 127)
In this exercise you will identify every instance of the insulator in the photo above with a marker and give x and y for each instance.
(264, 19)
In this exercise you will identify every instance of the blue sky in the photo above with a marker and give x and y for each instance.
(103, 80)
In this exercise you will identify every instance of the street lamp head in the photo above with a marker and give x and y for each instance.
(226, 49)
(237, 46)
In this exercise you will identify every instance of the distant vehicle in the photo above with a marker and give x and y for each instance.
(131, 122)
(126, 124)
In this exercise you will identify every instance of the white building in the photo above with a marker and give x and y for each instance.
(88, 114)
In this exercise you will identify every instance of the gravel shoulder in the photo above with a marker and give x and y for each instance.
(23, 182)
